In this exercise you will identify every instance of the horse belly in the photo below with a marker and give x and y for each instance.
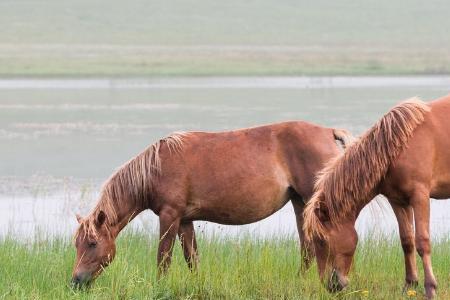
(241, 203)
(440, 183)
(248, 210)
(440, 187)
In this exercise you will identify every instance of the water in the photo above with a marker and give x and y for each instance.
(61, 138)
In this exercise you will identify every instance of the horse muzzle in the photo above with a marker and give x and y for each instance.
(337, 282)
(81, 280)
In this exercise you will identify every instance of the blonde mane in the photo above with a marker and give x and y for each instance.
(349, 180)
(132, 182)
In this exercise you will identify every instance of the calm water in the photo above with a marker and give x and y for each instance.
(61, 138)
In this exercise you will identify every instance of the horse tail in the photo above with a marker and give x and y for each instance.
(344, 137)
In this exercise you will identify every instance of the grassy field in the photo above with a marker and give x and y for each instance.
(230, 269)
(268, 37)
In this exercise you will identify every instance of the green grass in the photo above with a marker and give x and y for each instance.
(230, 268)
(201, 37)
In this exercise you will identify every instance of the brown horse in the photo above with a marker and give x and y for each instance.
(405, 157)
(235, 177)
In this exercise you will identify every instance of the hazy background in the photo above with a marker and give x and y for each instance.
(200, 37)
(86, 85)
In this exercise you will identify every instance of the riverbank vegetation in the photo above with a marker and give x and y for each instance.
(230, 268)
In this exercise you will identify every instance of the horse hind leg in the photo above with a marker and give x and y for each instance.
(188, 241)
(306, 249)
(405, 221)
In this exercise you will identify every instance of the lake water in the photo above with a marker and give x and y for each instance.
(60, 139)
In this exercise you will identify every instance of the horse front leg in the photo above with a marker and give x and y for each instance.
(306, 249)
(405, 221)
(169, 222)
(186, 234)
(421, 206)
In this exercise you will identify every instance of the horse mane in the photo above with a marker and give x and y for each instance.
(348, 181)
(132, 182)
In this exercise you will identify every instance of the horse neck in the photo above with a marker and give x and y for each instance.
(125, 212)
(126, 217)
(353, 213)
(364, 202)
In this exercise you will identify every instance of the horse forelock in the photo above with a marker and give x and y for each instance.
(348, 181)
(131, 182)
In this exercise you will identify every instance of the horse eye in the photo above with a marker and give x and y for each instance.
(92, 244)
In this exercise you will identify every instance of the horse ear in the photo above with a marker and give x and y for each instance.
(322, 213)
(79, 218)
(100, 220)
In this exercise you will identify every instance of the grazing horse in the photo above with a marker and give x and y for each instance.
(235, 177)
(406, 158)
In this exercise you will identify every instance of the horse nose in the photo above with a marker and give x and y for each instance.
(337, 283)
(76, 281)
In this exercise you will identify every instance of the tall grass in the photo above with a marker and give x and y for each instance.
(231, 268)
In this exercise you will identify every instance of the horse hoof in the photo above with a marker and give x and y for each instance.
(410, 285)
(430, 294)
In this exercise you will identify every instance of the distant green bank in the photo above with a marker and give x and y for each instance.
(231, 268)
(141, 61)
(201, 38)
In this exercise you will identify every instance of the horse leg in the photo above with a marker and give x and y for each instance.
(169, 222)
(406, 229)
(421, 206)
(306, 251)
(189, 243)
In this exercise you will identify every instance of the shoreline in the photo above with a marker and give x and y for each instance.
(226, 82)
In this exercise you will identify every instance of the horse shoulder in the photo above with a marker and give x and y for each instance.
(413, 167)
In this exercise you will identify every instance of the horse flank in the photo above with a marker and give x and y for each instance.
(349, 180)
(132, 182)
